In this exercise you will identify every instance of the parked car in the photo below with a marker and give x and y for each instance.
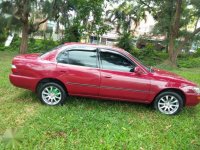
(101, 72)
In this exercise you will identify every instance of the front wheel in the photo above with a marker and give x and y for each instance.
(52, 94)
(169, 103)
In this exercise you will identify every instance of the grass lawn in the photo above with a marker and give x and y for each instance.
(91, 124)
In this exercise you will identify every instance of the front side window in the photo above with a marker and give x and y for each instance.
(83, 58)
(113, 61)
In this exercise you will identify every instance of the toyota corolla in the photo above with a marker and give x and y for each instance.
(75, 69)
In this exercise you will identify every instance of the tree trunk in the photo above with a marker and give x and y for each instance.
(24, 40)
(171, 51)
(174, 33)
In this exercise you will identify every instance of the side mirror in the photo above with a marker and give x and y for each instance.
(138, 70)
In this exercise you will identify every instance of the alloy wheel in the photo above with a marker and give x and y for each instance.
(51, 95)
(168, 104)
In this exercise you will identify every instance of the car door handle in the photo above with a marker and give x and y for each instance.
(62, 71)
(108, 76)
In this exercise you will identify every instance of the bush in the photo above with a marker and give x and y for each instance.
(125, 41)
(34, 45)
(149, 56)
(38, 46)
(189, 62)
(197, 54)
(14, 46)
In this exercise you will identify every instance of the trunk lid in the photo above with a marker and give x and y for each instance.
(28, 56)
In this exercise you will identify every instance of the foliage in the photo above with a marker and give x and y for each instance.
(31, 8)
(189, 62)
(197, 54)
(13, 47)
(35, 45)
(173, 19)
(80, 18)
(72, 34)
(149, 56)
(125, 15)
(26, 12)
(3, 30)
(2, 48)
(40, 46)
(6, 26)
(125, 41)
(123, 18)
(91, 124)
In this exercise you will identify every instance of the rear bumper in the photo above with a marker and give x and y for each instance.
(192, 99)
(24, 82)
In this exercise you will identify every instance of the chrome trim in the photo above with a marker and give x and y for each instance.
(108, 87)
(127, 89)
(89, 85)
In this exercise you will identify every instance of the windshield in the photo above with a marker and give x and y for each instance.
(146, 67)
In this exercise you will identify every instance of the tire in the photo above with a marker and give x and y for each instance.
(168, 103)
(52, 94)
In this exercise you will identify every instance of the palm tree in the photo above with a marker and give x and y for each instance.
(125, 16)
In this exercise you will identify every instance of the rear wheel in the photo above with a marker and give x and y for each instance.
(169, 103)
(52, 94)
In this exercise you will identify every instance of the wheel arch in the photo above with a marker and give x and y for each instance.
(46, 80)
(178, 91)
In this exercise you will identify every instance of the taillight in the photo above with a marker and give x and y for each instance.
(13, 66)
(14, 69)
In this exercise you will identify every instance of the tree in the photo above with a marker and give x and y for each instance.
(125, 15)
(26, 11)
(125, 18)
(81, 17)
(173, 18)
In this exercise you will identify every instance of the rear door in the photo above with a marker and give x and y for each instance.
(81, 71)
(118, 79)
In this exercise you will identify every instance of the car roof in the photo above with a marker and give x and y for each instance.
(94, 46)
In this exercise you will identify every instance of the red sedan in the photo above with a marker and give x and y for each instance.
(101, 72)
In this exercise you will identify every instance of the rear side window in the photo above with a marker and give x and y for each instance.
(63, 57)
(83, 58)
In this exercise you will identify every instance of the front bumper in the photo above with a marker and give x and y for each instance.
(192, 99)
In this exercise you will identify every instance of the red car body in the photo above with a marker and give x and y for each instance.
(142, 85)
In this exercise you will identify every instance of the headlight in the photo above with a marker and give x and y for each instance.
(196, 89)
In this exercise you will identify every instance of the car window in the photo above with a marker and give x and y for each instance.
(63, 57)
(83, 58)
(113, 61)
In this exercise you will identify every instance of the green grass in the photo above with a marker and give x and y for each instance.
(91, 124)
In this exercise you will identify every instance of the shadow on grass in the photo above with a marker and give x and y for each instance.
(100, 104)
(105, 104)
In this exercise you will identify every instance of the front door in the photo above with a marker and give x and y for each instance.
(118, 79)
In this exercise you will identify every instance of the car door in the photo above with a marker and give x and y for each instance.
(118, 79)
(81, 71)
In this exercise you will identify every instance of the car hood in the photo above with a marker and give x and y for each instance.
(171, 76)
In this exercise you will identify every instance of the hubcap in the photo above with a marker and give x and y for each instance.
(51, 95)
(168, 104)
